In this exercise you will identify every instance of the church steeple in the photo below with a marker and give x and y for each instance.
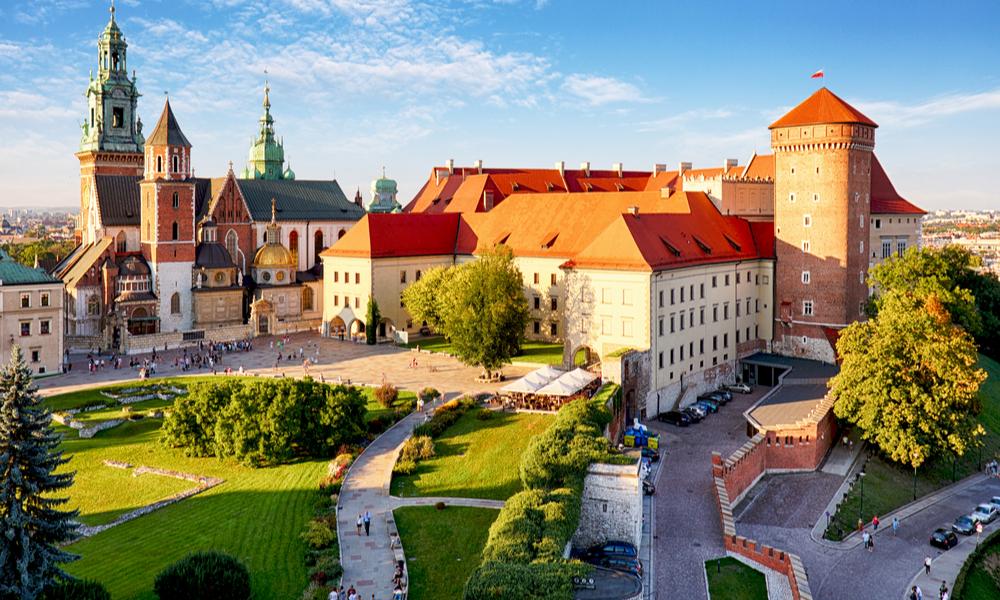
(111, 124)
(267, 153)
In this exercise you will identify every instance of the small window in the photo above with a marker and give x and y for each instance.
(861, 276)
(536, 327)
(536, 279)
(878, 223)
(553, 329)
(552, 279)
(416, 277)
(807, 220)
(35, 357)
(661, 298)
(175, 163)
(117, 117)
(25, 300)
(25, 328)
(45, 299)
(806, 246)
(702, 285)
(791, 196)
(336, 276)
(357, 278)
(402, 277)
(175, 304)
(727, 280)
(659, 361)
(714, 281)
(861, 247)
(357, 302)
(159, 164)
(43, 327)
(177, 200)
(554, 304)
(815, 197)
(805, 277)
(174, 231)
(807, 308)
(538, 303)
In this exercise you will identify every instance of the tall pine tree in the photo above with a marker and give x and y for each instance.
(31, 525)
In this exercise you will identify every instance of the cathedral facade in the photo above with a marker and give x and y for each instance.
(165, 257)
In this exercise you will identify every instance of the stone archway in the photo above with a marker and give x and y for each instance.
(585, 358)
(386, 328)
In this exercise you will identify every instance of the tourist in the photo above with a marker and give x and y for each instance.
(861, 525)
(927, 565)
(352, 594)
(865, 538)
(368, 522)
(360, 521)
(875, 524)
(915, 594)
(333, 595)
(943, 591)
(895, 525)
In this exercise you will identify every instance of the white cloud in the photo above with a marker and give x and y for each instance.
(681, 120)
(597, 91)
(894, 113)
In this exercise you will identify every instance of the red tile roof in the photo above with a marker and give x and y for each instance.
(885, 199)
(381, 235)
(761, 166)
(822, 107)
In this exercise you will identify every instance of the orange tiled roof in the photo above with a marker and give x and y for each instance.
(885, 199)
(822, 107)
(385, 235)
(761, 166)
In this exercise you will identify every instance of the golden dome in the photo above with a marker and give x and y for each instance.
(273, 255)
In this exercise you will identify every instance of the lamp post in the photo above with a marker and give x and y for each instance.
(915, 456)
(861, 509)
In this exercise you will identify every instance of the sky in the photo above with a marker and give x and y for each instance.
(408, 84)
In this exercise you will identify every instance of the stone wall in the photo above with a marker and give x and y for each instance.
(135, 344)
(611, 506)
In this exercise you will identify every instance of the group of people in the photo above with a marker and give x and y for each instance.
(993, 468)
(918, 594)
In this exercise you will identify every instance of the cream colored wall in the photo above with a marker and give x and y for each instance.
(389, 287)
(335, 288)
(751, 200)
(893, 228)
(755, 288)
(49, 346)
(606, 310)
(545, 291)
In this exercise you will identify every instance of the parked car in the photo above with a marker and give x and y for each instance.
(739, 387)
(651, 454)
(699, 410)
(620, 563)
(944, 539)
(724, 393)
(995, 501)
(674, 417)
(612, 548)
(708, 405)
(966, 525)
(987, 513)
(648, 488)
(695, 415)
(716, 396)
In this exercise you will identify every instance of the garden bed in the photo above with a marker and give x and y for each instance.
(730, 579)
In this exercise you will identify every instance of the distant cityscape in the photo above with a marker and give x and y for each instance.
(23, 225)
(976, 230)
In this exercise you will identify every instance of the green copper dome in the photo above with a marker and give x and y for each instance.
(267, 153)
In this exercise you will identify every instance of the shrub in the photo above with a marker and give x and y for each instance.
(500, 581)
(444, 417)
(429, 394)
(77, 589)
(315, 591)
(204, 575)
(329, 564)
(378, 425)
(319, 534)
(440, 505)
(386, 394)
(404, 467)
(330, 485)
(484, 414)
(417, 448)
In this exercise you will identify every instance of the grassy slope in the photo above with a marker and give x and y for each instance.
(736, 581)
(442, 547)
(475, 458)
(537, 352)
(256, 515)
(889, 486)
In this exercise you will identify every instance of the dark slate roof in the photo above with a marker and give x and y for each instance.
(135, 297)
(167, 132)
(118, 199)
(298, 200)
(14, 273)
(202, 196)
(133, 265)
(212, 255)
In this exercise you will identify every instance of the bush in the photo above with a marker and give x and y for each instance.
(330, 485)
(77, 589)
(315, 591)
(440, 505)
(417, 448)
(329, 565)
(444, 417)
(386, 394)
(429, 394)
(500, 581)
(319, 534)
(404, 467)
(204, 575)
(484, 414)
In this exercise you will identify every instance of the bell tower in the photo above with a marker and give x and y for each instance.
(111, 133)
(167, 220)
(822, 207)
(267, 152)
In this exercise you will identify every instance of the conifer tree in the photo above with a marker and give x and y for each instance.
(31, 524)
(373, 318)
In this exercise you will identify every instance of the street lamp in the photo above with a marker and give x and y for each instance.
(915, 456)
(861, 509)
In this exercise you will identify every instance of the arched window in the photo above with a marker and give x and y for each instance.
(175, 163)
(307, 298)
(232, 244)
(175, 304)
(293, 245)
(173, 231)
(120, 242)
(93, 306)
(318, 245)
(159, 164)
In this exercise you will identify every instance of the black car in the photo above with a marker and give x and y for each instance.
(652, 455)
(944, 539)
(620, 563)
(675, 417)
(725, 394)
(692, 414)
(965, 525)
(612, 548)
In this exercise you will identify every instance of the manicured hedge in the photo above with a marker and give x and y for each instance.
(534, 525)
(204, 575)
(503, 581)
(265, 421)
(77, 589)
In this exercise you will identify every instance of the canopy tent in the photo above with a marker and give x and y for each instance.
(567, 384)
(534, 381)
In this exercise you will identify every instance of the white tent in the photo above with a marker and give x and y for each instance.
(567, 384)
(533, 381)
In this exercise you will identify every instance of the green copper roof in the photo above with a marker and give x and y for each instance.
(14, 273)
(267, 153)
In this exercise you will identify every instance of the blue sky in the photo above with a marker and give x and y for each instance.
(409, 84)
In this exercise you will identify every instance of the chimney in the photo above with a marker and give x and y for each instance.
(659, 168)
(585, 167)
(633, 210)
(451, 166)
(684, 166)
(617, 167)
(478, 166)
(561, 165)
(730, 163)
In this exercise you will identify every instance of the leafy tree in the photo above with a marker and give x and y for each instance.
(986, 289)
(484, 311)
(909, 379)
(372, 319)
(31, 525)
(423, 297)
(26, 252)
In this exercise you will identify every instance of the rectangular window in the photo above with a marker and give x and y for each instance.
(737, 279)
(553, 329)
(682, 321)
(660, 326)
(671, 356)
(878, 223)
(35, 356)
(900, 247)
(805, 277)
(25, 301)
(552, 279)
(336, 300)
(672, 317)
(886, 248)
(715, 343)
(791, 197)
(347, 277)
(659, 361)
(606, 294)
(627, 297)
(691, 318)
(357, 278)
(672, 299)
(682, 294)
(347, 301)
(861, 221)
(416, 276)
(117, 117)
(861, 276)
(402, 277)
(807, 308)
(701, 346)
(627, 327)
(714, 281)
(806, 246)
(538, 303)
(661, 298)
(756, 305)
(45, 299)
(737, 336)
(606, 325)
(727, 280)
(807, 220)
(554, 304)
(43, 327)
(815, 197)
(25, 328)
(701, 316)
(725, 340)
(725, 311)
(336, 276)
(737, 309)
(536, 278)
(715, 313)
(702, 286)
(536, 327)
(357, 302)
(682, 353)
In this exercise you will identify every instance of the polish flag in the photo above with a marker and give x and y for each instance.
(817, 75)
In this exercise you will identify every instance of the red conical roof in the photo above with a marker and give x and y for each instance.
(822, 107)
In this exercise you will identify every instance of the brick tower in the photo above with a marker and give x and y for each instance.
(111, 134)
(167, 222)
(822, 202)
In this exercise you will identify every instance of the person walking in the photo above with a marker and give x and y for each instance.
(359, 524)
(943, 591)
(865, 539)
(927, 565)
(895, 525)
(875, 524)
(368, 523)
(333, 595)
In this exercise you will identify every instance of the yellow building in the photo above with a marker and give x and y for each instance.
(31, 315)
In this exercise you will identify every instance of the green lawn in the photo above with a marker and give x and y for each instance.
(887, 486)
(256, 515)
(537, 352)
(475, 458)
(443, 547)
(729, 579)
(407, 400)
(978, 584)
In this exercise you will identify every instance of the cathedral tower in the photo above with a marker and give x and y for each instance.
(167, 222)
(267, 153)
(822, 202)
(111, 138)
